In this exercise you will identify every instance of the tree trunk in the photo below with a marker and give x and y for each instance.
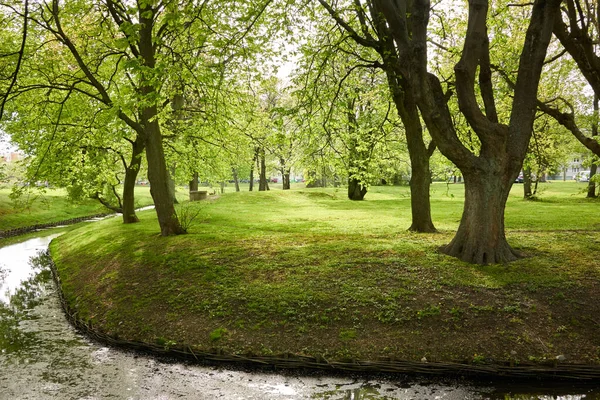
(222, 186)
(420, 183)
(286, 179)
(235, 179)
(480, 237)
(262, 179)
(194, 183)
(172, 191)
(157, 167)
(594, 167)
(527, 183)
(356, 190)
(131, 172)
(254, 162)
(591, 184)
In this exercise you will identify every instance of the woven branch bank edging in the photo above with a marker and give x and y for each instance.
(523, 371)
(26, 229)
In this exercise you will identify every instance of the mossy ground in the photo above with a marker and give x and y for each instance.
(308, 272)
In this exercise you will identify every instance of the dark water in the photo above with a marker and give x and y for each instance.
(42, 357)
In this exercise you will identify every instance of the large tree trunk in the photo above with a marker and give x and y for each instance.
(235, 179)
(356, 190)
(488, 175)
(131, 173)
(157, 167)
(480, 237)
(262, 179)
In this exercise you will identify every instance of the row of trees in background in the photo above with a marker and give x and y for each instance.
(383, 91)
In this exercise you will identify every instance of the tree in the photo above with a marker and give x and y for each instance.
(346, 110)
(488, 174)
(7, 27)
(127, 58)
(377, 33)
(89, 153)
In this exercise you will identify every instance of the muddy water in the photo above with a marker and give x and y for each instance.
(42, 357)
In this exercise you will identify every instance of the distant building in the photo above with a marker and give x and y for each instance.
(12, 157)
(572, 169)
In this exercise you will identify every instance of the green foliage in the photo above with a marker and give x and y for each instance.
(218, 334)
(188, 213)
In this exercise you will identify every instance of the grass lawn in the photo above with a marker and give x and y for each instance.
(308, 272)
(53, 206)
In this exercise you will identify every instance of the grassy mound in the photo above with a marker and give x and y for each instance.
(310, 273)
(51, 206)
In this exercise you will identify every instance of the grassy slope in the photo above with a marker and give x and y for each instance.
(309, 272)
(53, 206)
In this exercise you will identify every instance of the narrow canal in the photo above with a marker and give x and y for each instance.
(43, 357)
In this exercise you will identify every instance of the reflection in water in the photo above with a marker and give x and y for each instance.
(42, 357)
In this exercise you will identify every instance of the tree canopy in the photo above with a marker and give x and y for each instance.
(95, 91)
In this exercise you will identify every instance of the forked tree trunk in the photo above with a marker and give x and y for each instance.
(356, 190)
(480, 238)
(131, 173)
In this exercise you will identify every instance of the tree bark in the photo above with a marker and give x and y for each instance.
(194, 183)
(172, 190)
(262, 179)
(235, 179)
(527, 194)
(594, 167)
(157, 168)
(285, 174)
(254, 163)
(356, 190)
(420, 183)
(480, 237)
(131, 173)
(419, 154)
(286, 179)
(403, 95)
(591, 193)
